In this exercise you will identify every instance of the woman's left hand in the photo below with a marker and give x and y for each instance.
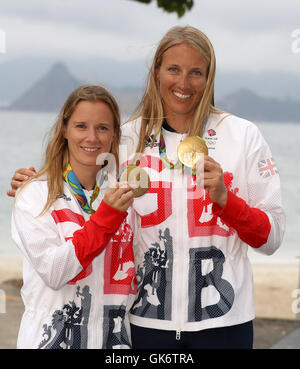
(210, 176)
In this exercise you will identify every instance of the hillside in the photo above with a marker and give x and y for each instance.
(48, 93)
(249, 105)
(51, 90)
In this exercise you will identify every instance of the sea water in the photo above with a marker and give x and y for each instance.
(22, 143)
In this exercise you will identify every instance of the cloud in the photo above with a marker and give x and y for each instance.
(46, 38)
(252, 16)
(99, 30)
(252, 35)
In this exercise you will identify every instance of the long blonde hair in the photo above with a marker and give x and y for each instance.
(56, 155)
(150, 109)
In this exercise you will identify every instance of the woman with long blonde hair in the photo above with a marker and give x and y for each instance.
(70, 229)
(203, 210)
(151, 107)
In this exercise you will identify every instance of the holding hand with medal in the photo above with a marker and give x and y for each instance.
(193, 153)
(210, 173)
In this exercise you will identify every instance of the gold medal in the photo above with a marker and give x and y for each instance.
(137, 178)
(191, 149)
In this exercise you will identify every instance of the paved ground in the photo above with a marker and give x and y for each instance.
(291, 341)
(10, 320)
(268, 333)
(276, 333)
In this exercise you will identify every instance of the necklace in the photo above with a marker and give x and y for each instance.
(76, 188)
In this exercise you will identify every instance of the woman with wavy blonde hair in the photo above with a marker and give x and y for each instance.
(64, 222)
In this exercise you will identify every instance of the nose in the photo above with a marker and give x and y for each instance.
(92, 135)
(183, 82)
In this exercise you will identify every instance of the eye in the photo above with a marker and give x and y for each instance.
(197, 73)
(102, 128)
(173, 69)
(80, 125)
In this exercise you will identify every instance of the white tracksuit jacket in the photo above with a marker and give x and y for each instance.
(68, 305)
(191, 259)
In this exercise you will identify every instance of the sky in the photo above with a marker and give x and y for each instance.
(248, 36)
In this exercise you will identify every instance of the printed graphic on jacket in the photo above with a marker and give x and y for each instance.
(114, 331)
(205, 272)
(68, 215)
(69, 325)
(154, 292)
(119, 270)
(201, 221)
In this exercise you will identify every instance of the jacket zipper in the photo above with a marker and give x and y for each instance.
(179, 284)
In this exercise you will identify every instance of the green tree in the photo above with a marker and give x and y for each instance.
(170, 6)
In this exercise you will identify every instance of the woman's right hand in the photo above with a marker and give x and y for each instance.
(119, 197)
(20, 176)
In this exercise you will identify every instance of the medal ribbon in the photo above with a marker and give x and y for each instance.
(76, 188)
(167, 163)
(163, 155)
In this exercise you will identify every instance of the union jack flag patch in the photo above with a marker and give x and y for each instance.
(267, 168)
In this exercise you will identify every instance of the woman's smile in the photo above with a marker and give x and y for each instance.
(181, 95)
(90, 149)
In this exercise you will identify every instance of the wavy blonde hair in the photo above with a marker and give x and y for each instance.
(151, 107)
(56, 156)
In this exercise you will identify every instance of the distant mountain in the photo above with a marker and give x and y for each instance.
(249, 105)
(49, 92)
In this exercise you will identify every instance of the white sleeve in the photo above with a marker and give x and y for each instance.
(38, 238)
(264, 191)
